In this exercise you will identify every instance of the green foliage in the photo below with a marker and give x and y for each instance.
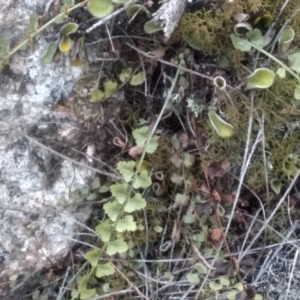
(110, 88)
(140, 135)
(33, 30)
(294, 60)
(135, 9)
(297, 92)
(65, 44)
(105, 230)
(151, 27)
(33, 23)
(240, 43)
(261, 78)
(93, 256)
(112, 209)
(126, 168)
(126, 223)
(104, 270)
(119, 191)
(137, 79)
(215, 287)
(193, 278)
(96, 96)
(223, 128)
(4, 48)
(116, 246)
(256, 37)
(137, 202)
(100, 9)
(51, 50)
(125, 74)
(68, 29)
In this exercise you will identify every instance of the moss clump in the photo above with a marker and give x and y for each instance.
(281, 132)
(211, 28)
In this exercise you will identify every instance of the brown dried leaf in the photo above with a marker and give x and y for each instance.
(151, 64)
(291, 110)
(176, 179)
(215, 170)
(118, 142)
(171, 41)
(135, 151)
(116, 46)
(228, 198)
(176, 233)
(183, 139)
(250, 293)
(235, 263)
(224, 268)
(226, 165)
(204, 207)
(159, 52)
(241, 296)
(176, 160)
(181, 200)
(240, 217)
(216, 194)
(204, 189)
(292, 201)
(216, 235)
(190, 184)
(240, 17)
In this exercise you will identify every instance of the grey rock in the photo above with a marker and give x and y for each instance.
(33, 229)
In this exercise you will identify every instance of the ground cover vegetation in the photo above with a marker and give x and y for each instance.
(202, 132)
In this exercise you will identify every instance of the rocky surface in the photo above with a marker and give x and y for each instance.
(32, 179)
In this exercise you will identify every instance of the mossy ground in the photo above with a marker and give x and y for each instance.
(212, 28)
(276, 156)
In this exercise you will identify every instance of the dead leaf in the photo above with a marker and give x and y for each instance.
(176, 233)
(228, 198)
(240, 217)
(90, 151)
(116, 46)
(158, 53)
(226, 165)
(183, 139)
(292, 201)
(135, 151)
(149, 3)
(176, 160)
(216, 194)
(205, 207)
(215, 170)
(240, 17)
(216, 235)
(190, 184)
(151, 64)
(224, 267)
(204, 189)
(176, 179)
(291, 110)
(250, 293)
(241, 295)
(235, 263)
(171, 41)
(181, 200)
(118, 142)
